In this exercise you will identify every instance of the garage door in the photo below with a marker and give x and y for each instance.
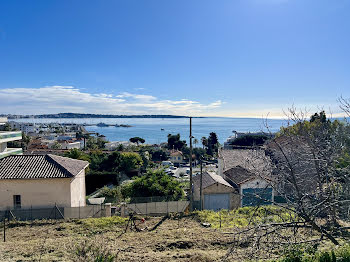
(216, 201)
(256, 196)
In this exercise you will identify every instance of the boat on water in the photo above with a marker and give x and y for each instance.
(102, 125)
(162, 129)
(122, 125)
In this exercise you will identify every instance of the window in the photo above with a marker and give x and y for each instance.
(17, 201)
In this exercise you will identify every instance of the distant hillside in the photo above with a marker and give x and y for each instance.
(77, 115)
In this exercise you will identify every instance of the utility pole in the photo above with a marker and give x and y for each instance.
(191, 182)
(201, 185)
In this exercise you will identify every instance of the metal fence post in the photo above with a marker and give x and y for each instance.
(4, 228)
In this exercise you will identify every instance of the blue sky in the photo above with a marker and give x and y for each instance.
(242, 58)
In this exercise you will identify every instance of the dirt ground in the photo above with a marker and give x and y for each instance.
(174, 240)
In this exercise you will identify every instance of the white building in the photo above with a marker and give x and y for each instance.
(7, 136)
(40, 181)
(24, 127)
(115, 144)
(71, 145)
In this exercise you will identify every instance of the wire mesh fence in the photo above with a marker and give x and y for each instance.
(56, 212)
(118, 200)
(158, 208)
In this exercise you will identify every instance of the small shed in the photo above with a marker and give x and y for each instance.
(217, 193)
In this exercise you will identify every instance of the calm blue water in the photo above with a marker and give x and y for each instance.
(150, 128)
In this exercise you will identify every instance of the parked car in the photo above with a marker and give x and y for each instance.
(167, 163)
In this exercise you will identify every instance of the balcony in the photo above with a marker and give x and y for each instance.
(7, 136)
(11, 151)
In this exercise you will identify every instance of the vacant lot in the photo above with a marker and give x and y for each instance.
(174, 240)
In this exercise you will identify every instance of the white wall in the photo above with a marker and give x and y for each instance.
(220, 167)
(3, 147)
(36, 192)
(78, 190)
(76, 145)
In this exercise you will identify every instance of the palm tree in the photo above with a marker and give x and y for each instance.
(204, 141)
(195, 142)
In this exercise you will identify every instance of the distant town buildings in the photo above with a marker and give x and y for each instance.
(115, 144)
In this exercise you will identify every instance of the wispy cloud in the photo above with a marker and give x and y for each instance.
(55, 99)
(136, 96)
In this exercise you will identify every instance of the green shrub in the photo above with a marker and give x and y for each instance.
(103, 222)
(93, 252)
(343, 253)
(307, 253)
(154, 183)
(111, 194)
(327, 257)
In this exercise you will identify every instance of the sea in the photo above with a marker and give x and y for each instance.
(156, 130)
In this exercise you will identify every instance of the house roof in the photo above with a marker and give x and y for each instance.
(254, 161)
(209, 179)
(40, 166)
(176, 153)
(239, 175)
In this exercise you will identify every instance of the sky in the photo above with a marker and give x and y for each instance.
(233, 58)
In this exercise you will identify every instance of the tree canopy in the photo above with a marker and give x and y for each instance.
(137, 140)
(154, 183)
(175, 142)
(211, 143)
(311, 160)
(114, 162)
(250, 140)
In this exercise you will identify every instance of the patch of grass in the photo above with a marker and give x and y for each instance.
(343, 253)
(93, 251)
(241, 217)
(101, 223)
(302, 253)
